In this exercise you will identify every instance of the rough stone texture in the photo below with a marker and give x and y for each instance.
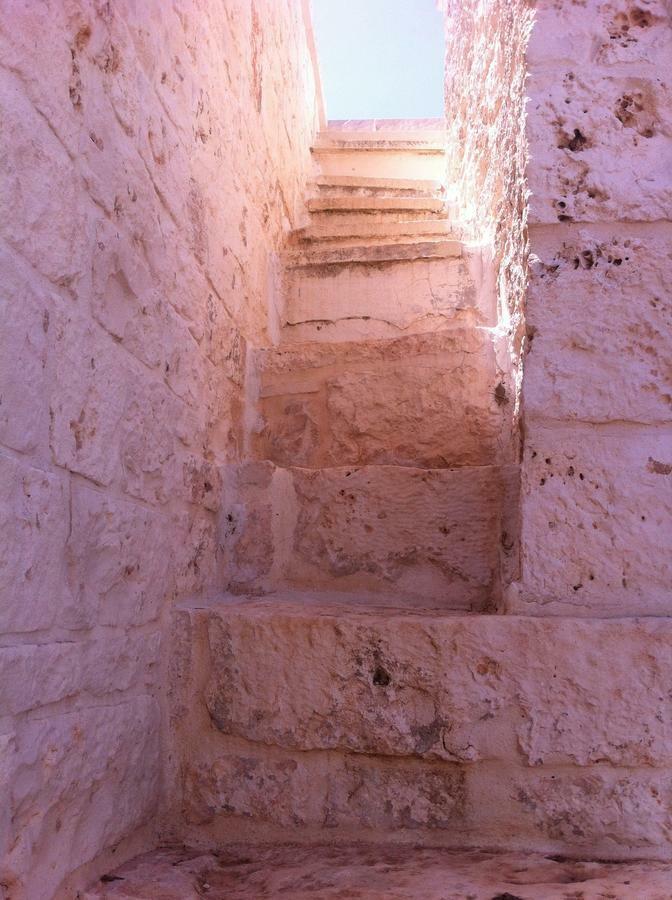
(376, 872)
(599, 323)
(596, 537)
(432, 536)
(458, 689)
(423, 400)
(320, 714)
(485, 94)
(154, 156)
(389, 297)
(597, 390)
(75, 783)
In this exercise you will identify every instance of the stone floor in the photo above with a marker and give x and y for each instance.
(367, 872)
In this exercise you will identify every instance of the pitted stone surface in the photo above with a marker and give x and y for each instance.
(535, 691)
(601, 497)
(599, 323)
(376, 872)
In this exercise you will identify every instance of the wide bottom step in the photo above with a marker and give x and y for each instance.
(374, 872)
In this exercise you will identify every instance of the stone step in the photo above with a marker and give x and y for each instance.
(251, 871)
(430, 536)
(387, 291)
(504, 732)
(420, 142)
(353, 183)
(347, 160)
(370, 252)
(376, 203)
(363, 226)
(422, 400)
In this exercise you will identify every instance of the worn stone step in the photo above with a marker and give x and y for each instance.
(498, 731)
(252, 871)
(430, 535)
(391, 141)
(347, 160)
(381, 295)
(423, 400)
(372, 253)
(375, 203)
(351, 183)
(364, 226)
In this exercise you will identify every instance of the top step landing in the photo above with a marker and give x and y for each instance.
(433, 142)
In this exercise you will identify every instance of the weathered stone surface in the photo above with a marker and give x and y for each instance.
(597, 521)
(379, 299)
(607, 33)
(75, 783)
(599, 317)
(37, 675)
(34, 505)
(339, 792)
(425, 400)
(614, 813)
(429, 536)
(153, 159)
(538, 692)
(117, 569)
(26, 317)
(602, 145)
(378, 872)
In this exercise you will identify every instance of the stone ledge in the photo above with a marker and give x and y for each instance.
(530, 691)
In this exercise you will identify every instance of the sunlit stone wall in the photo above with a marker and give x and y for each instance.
(597, 388)
(573, 97)
(152, 155)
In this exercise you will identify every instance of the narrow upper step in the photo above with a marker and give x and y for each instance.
(414, 141)
(412, 185)
(375, 203)
(373, 253)
(365, 226)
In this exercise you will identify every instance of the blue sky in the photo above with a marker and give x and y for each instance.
(380, 58)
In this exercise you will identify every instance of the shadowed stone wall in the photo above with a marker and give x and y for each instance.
(152, 155)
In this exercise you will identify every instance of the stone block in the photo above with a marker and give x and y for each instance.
(425, 400)
(615, 33)
(532, 692)
(119, 559)
(26, 325)
(34, 505)
(52, 229)
(602, 147)
(426, 536)
(599, 319)
(339, 792)
(78, 783)
(603, 812)
(378, 299)
(37, 675)
(596, 520)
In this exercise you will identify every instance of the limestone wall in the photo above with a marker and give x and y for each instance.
(597, 388)
(152, 155)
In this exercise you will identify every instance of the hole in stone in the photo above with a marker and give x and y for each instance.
(381, 677)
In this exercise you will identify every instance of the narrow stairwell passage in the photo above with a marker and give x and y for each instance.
(383, 462)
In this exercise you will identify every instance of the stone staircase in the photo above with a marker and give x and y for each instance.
(357, 681)
(378, 498)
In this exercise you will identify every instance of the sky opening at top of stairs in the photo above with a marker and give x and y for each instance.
(380, 59)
